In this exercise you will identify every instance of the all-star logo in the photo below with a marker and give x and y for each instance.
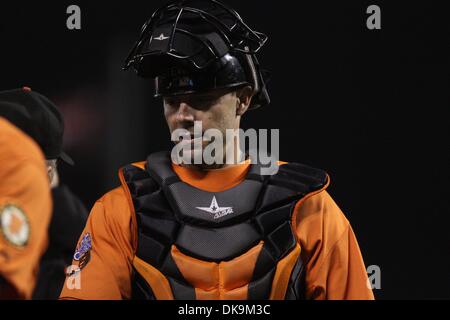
(161, 37)
(216, 210)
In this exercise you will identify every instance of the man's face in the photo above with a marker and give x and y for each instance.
(216, 110)
(52, 172)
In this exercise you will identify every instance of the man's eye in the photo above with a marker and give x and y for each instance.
(197, 102)
(203, 101)
(170, 101)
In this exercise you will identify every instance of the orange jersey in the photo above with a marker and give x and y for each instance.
(25, 210)
(334, 265)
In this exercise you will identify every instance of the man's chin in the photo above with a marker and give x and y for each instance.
(194, 158)
(188, 155)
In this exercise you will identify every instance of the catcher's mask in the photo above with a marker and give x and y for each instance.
(195, 46)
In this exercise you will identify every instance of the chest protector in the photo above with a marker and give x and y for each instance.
(234, 244)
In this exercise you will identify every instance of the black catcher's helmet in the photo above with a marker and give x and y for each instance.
(194, 46)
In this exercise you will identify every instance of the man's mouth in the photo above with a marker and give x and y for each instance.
(191, 136)
(194, 141)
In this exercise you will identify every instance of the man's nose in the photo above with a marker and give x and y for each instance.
(185, 113)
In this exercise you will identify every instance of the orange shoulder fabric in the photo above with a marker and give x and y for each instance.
(25, 209)
(334, 266)
(140, 165)
(107, 274)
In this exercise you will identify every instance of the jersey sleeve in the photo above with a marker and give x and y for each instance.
(334, 265)
(25, 210)
(102, 265)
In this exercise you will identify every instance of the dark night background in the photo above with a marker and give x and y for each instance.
(368, 106)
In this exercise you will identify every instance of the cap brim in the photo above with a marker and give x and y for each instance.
(65, 157)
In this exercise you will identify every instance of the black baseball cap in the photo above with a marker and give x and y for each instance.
(38, 117)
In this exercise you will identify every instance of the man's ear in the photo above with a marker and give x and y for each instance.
(244, 98)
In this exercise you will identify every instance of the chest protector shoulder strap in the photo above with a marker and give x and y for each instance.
(235, 244)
